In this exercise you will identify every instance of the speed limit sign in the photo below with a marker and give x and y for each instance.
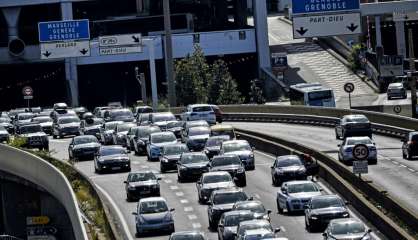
(360, 152)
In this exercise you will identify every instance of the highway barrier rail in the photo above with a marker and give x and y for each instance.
(362, 195)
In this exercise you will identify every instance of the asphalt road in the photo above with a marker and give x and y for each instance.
(189, 214)
(395, 174)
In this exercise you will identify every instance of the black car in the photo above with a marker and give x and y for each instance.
(227, 227)
(352, 126)
(83, 147)
(33, 135)
(222, 201)
(142, 184)
(233, 165)
(106, 132)
(212, 181)
(175, 127)
(410, 145)
(322, 209)
(141, 138)
(170, 155)
(196, 138)
(124, 115)
(213, 145)
(130, 138)
(256, 207)
(286, 168)
(111, 158)
(120, 133)
(191, 165)
(66, 126)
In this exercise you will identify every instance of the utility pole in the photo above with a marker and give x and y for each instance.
(412, 78)
(169, 55)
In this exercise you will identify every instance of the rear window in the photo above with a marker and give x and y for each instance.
(202, 109)
(359, 141)
(414, 137)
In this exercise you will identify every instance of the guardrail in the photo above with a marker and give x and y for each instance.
(44, 174)
(357, 191)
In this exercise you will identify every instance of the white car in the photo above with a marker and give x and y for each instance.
(345, 153)
(200, 112)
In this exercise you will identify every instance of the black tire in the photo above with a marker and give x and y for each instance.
(403, 155)
(275, 182)
(336, 135)
(373, 162)
(54, 136)
(308, 227)
(212, 225)
(128, 197)
(179, 178)
(162, 168)
(243, 182)
(279, 209)
(138, 235)
(408, 156)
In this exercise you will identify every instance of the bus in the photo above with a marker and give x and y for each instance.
(311, 94)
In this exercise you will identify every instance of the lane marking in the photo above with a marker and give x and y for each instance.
(257, 196)
(184, 201)
(179, 194)
(118, 212)
(192, 217)
(174, 187)
(188, 209)
(282, 229)
(144, 166)
(404, 166)
(168, 181)
(410, 169)
(395, 162)
(196, 225)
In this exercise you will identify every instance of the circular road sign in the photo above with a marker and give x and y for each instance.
(360, 152)
(349, 87)
(397, 109)
(27, 91)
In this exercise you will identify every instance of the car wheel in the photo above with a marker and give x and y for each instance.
(136, 152)
(279, 209)
(336, 135)
(288, 209)
(162, 168)
(54, 136)
(128, 197)
(179, 178)
(137, 234)
(243, 182)
(274, 181)
(408, 156)
(403, 155)
(211, 224)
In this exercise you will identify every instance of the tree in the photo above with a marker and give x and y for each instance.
(228, 88)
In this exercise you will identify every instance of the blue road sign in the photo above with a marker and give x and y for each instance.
(64, 30)
(321, 6)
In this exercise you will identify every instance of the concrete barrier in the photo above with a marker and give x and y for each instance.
(44, 174)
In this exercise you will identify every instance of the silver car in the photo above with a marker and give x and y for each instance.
(347, 228)
(294, 195)
(153, 215)
(345, 153)
(242, 149)
(396, 90)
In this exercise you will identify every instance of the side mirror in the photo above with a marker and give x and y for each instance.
(369, 231)
(253, 148)
(159, 178)
(220, 225)
(276, 230)
(172, 209)
(125, 182)
(269, 211)
(135, 213)
(251, 198)
(324, 234)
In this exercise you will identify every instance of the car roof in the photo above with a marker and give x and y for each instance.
(162, 133)
(112, 147)
(224, 156)
(114, 122)
(238, 212)
(296, 182)
(222, 127)
(141, 171)
(355, 116)
(175, 145)
(254, 221)
(162, 113)
(345, 221)
(235, 141)
(228, 190)
(193, 154)
(257, 231)
(357, 138)
(326, 196)
(222, 137)
(200, 127)
(152, 199)
(199, 105)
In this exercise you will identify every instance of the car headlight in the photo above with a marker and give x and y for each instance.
(131, 187)
(313, 217)
(240, 170)
(183, 168)
(366, 238)
(164, 160)
(302, 171)
(168, 218)
(251, 155)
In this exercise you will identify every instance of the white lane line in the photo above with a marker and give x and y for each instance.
(192, 217)
(118, 212)
(262, 164)
(144, 166)
(257, 196)
(184, 201)
(96, 176)
(282, 229)
(197, 225)
(410, 169)
(179, 194)
(402, 165)
(188, 209)
(58, 141)
(168, 181)
(174, 187)
(395, 162)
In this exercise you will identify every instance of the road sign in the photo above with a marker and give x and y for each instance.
(326, 25)
(360, 152)
(349, 87)
(397, 109)
(38, 220)
(360, 167)
(27, 97)
(65, 49)
(120, 40)
(27, 91)
(405, 16)
(64, 30)
(320, 6)
(120, 50)
(41, 230)
(279, 60)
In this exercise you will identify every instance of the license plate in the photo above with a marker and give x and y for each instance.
(116, 168)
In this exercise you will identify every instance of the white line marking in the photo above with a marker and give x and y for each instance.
(118, 212)
(144, 166)
(402, 165)
(282, 229)
(257, 196)
(395, 162)
(188, 209)
(174, 187)
(410, 169)
(168, 181)
(179, 194)
(192, 217)
(196, 225)
(184, 201)
(135, 163)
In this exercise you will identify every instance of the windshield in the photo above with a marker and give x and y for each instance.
(236, 146)
(145, 132)
(254, 207)
(194, 158)
(214, 142)
(265, 225)
(25, 116)
(217, 178)
(229, 133)
(139, 177)
(289, 162)
(162, 138)
(187, 237)
(197, 124)
(326, 203)
(111, 151)
(224, 161)
(259, 236)
(121, 113)
(30, 129)
(174, 124)
(202, 109)
(228, 198)
(358, 119)
(162, 118)
(124, 127)
(68, 120)
(85, 139)
(359, 141)
(144, 117)
(199, 131)
(110, 126)
(150, 207)
(234, 220)
(42, 119)
(347, 228)
(175, 149)
(306, 187)
(4, 120)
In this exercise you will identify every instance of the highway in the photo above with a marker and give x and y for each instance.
(395, 174)
(189, 214)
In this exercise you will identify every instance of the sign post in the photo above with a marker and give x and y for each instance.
(27, 94)
(349, 88)
(360, 154)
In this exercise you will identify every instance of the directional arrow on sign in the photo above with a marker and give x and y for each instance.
(352, 27)
(136, 39)
(47, 54)
(302, 31)
(84, 51)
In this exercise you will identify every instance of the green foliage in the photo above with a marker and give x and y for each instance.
(18, 142)
(353, 58)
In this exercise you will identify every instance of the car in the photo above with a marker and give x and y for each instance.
(175, 127)
(99, 111)
(221, 201)
(252, 225)
(161, 119)
(257, 234)
(124, 115)
(33, 135)
(62, 113)
(170, 155)
(242, 149)
(80, 111)
(141, 138)
(60, 106)
(130, 138)
(396, 90)
(410, 145)
(187, 235)
(111, 158)
(345, 153)
(191, 166)
(213, 145)
(156, 142)
(295, 195)
(228, 223)
(322, 209)
(231, 164)
(138, 110)
(346, 228)
(6, 123)
(256, 207)
(153, 215)
(83, 147)
(106, 132)
(141, 184)
(353, 125)
(211, 181)
(143, 119)
(286, 168)
(45, 122)
(120, 133)
(222, 130)
(218, 113)
(196, 138)
(91, 126)
(22, 118)
(4, 135)
(66, 126)
(199, 112)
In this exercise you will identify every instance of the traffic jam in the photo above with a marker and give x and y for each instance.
(199, 148)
